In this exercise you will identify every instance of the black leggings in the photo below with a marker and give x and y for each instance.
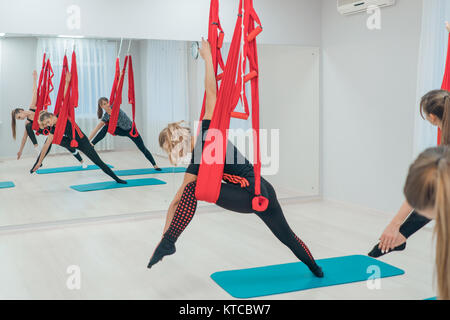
(85, 146)
(30, 132)
(125, 133)
(413, 223)
(74, 152)
(234, 198)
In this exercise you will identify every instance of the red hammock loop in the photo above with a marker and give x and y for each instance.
(445, 83)
(210, 174)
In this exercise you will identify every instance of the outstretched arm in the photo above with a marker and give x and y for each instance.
(210, 80)
(391, 234)
(96, 129)
(22, 144)
(34, 98)
(44, 150)
(188, 178)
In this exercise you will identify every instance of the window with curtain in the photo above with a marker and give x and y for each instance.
(96, 66)
(432, 55)
(164, 87)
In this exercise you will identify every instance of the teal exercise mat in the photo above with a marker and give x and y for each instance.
(136, 172)
(114, 185)
(7, 184)
(68, 169)
(284, 278)
(431, 299)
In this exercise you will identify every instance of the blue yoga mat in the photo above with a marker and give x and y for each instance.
(283, 278)
(434, 298)
(8, 184)
(68, 169)
(114, 185)
(136, 172)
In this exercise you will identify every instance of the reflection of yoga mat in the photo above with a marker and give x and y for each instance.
(283, 278)
(8, 184)
(68, 169)
(136, 172)
(114, 185)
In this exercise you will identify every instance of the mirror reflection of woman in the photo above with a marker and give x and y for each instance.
(28, 116)
(236, 193)
(49, 120)
(123, 129)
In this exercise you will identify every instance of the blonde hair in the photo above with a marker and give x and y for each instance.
(428, 187)
(175, 140)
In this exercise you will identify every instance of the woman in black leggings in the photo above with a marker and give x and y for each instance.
(236, 193)
(124, 125)
(435, 108)
(28, 116)
(48, 120)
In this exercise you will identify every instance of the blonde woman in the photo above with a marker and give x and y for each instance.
(236, 193)
(427, 189)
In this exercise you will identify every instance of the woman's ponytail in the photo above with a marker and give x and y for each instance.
(442, 229)
(14, 113)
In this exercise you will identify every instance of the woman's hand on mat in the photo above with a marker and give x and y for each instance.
(205, 50)
(19, 154)
(36, 167)
(389, 237)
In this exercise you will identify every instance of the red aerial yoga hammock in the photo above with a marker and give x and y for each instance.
(116, 96)
(231, 89)
(45, 87)
(445, 82)
(65, 108)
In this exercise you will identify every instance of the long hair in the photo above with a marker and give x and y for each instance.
(175, 140)
(437, 102)
(14, 113)
(99, 108)
(428, 188)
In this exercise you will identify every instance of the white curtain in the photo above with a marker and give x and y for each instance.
(433, 51)
(164, 87)
(96, 67)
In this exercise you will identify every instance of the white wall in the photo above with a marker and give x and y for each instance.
(369, 102)
(18, 61)
(284, 21)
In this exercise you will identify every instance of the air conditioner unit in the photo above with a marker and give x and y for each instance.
(347, 7)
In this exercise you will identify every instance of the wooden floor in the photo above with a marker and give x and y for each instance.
(113, 255)
(45, 227)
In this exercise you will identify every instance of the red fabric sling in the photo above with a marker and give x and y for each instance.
(215, 39)
(132, 97)
(211, 169)
(445, 82)
(117, 102)
(67, 109)
(116, 81)
(45, 86)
